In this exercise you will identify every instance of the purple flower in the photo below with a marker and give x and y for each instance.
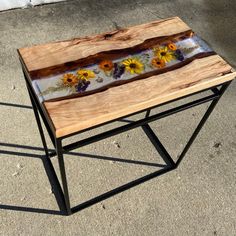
(82, 85)
(179, 55)
(118, 71)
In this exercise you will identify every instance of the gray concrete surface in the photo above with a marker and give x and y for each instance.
(199, 198)
(6, 4)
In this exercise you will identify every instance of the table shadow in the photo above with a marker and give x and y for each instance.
(47, 165)
(15, 105)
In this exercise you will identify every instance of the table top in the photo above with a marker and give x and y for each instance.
(88, 81)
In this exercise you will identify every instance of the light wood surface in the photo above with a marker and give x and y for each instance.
(58, 53)
(73, 115)
(76, 114)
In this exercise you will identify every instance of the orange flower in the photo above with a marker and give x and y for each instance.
(106, 65)
(69, 79)
(158, 63)
(172, 46)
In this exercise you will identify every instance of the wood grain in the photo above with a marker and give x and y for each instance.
(76, 114)
(107, 55)
(72, 115)
(66, 53)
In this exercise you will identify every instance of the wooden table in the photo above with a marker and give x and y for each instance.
(80, 84)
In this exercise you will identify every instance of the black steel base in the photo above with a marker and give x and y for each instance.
(62, 193)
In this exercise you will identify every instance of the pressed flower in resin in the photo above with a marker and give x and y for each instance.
(69, 80)
(163, 53)
(158, 63)
(133, 65)
(171, 46)
(179, 55)
(85, 74)
(106, 65)
(82, 85)
(118, 70)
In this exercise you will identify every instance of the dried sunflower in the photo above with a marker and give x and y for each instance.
(164, 54)
(85, 74)
(133, 65)
(106, 65)
(69, 80)
(158, 63)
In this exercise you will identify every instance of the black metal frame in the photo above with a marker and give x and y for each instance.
(62, 193)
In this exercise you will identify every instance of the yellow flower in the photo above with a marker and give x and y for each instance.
(85, 74)
(164, 54)
(69, 79)
(133, 65)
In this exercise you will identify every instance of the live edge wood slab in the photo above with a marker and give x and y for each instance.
(78, 111)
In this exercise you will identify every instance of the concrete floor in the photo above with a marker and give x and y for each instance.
(199, 198)
(6, 4)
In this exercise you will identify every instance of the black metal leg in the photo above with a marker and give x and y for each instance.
(148, 113)
(63, 174)
(201, 123)
(157, 143)
(161, 149)
(39, 124)
(55, 185)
